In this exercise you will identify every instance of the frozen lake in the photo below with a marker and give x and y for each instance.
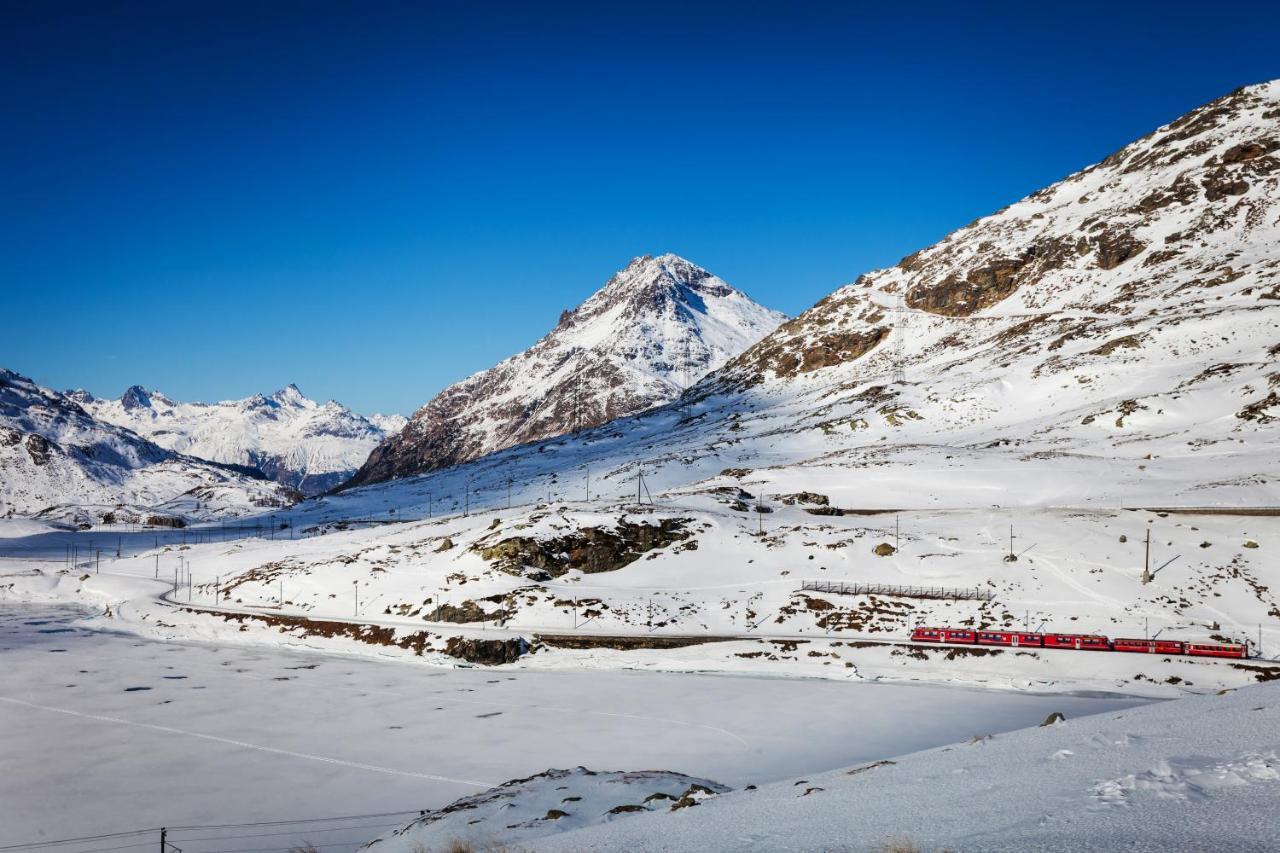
(104, 732)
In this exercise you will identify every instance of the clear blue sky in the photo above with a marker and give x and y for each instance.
(373, 200)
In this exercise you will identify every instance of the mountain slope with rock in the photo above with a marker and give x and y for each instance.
(58, 461)
(652, 331)
(293, 440)
(1109, 340)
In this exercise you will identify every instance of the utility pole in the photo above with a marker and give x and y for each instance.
(1012, 556)
(1146, 560)
(355, 584)
(157, 567)
(896, 531)
(587, 469)
(163, 834)
(97, 562)
(466, 505)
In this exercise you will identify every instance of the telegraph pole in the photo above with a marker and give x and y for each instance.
(1146, 560)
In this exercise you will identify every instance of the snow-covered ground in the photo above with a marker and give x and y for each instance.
(1076, 571)
(1199, 774)
(102, 731)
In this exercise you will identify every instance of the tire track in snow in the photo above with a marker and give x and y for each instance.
(245, 744)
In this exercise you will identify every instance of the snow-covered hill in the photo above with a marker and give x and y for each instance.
(1108, 340)
(58, 461)
(298, 442)
(1198, 774)
(652, 331)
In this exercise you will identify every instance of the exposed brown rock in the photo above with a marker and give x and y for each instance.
(1115, 246)
(591, 549)
(38, 449)
(486, 652)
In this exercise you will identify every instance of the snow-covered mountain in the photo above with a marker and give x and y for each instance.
(1024, 373)
(59, 461)
(1109, 340)
(305, 445)
(651, 332)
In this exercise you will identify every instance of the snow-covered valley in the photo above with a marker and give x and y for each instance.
(196, 734)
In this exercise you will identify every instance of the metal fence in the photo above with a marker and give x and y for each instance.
(942, 592)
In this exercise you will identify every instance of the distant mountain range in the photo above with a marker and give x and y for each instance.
(293, 440)
(58, 461)
(652, 331)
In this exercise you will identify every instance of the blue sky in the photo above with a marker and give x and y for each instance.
(373, 200)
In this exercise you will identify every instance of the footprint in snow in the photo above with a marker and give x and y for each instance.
(135, 689)
(1061, 754)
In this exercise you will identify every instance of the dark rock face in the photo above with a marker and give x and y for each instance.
(812, 498)
(592, 549)
(39, 449)
(136, 397)
(486, 652)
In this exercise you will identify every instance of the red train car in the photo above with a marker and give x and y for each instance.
(1009, 638)
(1153, 647)
(1084, 642)
(1218, 650)
(995, 638)
(942, 635)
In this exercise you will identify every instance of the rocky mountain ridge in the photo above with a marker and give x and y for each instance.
(296, 441)
(58, 461)
(653, 330)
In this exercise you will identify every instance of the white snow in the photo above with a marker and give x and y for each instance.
(307, 445)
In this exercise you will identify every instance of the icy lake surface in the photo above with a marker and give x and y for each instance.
(103, 732)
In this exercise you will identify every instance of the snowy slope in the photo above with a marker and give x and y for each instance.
(1109, 340)
(549, 803)
(1198, 774)
(653, 330)
(59, 461)
(298, 442)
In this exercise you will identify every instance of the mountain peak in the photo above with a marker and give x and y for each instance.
(135, 397)
(656, 327)
(289, 395)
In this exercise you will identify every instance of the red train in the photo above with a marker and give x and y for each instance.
(1079, 642)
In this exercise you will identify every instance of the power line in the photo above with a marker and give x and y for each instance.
(287, 822)
(37, 844)
(40, 845)
(286, 832)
